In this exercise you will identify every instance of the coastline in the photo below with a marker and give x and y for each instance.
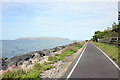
(18, 60)
(11, 48)
(27, 61)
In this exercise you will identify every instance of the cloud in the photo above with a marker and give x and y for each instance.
(60, 19)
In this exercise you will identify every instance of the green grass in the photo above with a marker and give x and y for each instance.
(38, 68)
(110, 50)
(33, 73)
(14, 74)
(22, 74)
(63, 55)
(50, 62)
(42, 67)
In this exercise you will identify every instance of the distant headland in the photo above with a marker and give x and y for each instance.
(39, 38)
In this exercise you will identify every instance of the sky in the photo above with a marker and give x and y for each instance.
(72, 20)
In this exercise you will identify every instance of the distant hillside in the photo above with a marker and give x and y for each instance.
(39, 38)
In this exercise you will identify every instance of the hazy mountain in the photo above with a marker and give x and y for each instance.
(39, 38)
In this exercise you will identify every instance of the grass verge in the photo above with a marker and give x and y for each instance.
(110, 50)
(63, 55)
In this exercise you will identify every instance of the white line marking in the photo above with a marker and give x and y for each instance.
(107, 57)
(76, 62)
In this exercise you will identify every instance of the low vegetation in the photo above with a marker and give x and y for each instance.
(32, 73)
(62, 56)
(38, 68)
(111, 50)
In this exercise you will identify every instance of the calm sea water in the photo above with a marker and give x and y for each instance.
(12, 48)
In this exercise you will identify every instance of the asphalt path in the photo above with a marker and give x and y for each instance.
(92, 64)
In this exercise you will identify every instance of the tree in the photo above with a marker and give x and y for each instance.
(109, 32)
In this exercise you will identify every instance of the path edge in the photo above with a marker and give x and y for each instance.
(108, 57)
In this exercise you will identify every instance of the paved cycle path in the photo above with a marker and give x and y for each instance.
(92, 64)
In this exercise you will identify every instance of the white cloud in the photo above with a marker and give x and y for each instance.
(66, 18)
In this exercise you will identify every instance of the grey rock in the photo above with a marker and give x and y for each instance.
(27, 63)
(20, 59)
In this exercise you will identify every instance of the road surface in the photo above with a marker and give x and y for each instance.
(93, 64)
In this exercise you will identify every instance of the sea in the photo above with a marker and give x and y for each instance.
(10, 48)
